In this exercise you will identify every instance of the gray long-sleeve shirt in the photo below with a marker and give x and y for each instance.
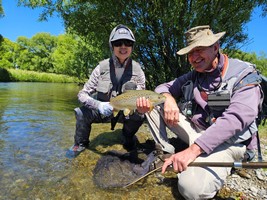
(242, 111)
(84, 95)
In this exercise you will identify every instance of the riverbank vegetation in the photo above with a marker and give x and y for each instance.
(18, 75)
(65, 55)
(158, 27)
(67, 58)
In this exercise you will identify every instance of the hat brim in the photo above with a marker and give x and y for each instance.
(123, 37)
(205, 42)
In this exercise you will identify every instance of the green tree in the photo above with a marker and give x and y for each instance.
(66, 54)
(2, 13)
(1, 39)
(63, 56)
(158, 26)
(7, 53)
(36, 53)
(74, 57)
(25, 55)
(259, 61)
(88, 54)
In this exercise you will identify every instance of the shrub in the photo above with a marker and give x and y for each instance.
(4, 75)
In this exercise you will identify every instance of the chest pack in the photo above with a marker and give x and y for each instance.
(220, 100)
(243, 74)
(239, 74)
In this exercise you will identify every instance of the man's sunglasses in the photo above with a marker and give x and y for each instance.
(118, 43)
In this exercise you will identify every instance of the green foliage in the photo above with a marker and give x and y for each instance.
(1, 39)
(37, 52)
(263, 131)
(1, 9)
(4, 75)
(259, 61)
(7, 53)
(4, 63)
(66, 54)
(75, 57)
(63, 55)
(158, 26)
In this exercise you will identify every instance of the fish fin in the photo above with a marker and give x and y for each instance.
(115, 112)
(151, 108)
(126, 112)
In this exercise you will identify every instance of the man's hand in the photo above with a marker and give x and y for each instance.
(143, 105)
(181, 160)
(171, 110)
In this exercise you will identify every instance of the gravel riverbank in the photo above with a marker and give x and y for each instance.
(247, 183)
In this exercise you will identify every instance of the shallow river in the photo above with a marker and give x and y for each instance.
(36, 128)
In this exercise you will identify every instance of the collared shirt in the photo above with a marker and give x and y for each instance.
(242, 111)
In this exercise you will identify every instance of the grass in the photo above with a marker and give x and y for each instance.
(263, 131)
(18, 75)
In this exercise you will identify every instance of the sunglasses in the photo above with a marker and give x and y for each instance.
(118, 43)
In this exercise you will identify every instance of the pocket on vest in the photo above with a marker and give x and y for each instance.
(103, 90)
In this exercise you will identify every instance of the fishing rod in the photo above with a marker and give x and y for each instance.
(247, 165)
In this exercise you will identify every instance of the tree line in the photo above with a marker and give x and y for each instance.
(63, 54)
(158, 26)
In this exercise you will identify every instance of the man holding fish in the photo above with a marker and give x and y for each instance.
(110, 78)
(216, 118)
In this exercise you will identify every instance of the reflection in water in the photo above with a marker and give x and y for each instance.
(36, 128)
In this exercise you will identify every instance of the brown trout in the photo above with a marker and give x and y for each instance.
(127, 100)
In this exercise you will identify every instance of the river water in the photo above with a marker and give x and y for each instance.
(36, 120)
(36, 128)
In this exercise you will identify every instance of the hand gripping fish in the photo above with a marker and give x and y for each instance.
(127, 100)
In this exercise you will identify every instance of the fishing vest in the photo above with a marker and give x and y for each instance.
(108, 85)
(237, 75)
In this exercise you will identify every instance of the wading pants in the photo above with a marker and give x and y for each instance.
(85, 117)
(195, 182)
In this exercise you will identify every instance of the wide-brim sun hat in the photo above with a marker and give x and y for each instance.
(200, 36)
